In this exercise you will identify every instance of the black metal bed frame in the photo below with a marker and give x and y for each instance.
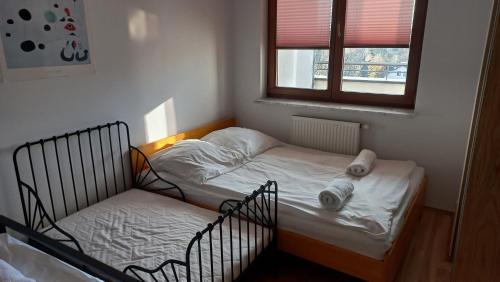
(81, 168)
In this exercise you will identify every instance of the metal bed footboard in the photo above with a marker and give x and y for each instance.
(61, 175)
(258, 209)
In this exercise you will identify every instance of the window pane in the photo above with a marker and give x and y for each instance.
(375, 70)
(304, 68)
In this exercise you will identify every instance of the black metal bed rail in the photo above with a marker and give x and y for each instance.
(65, 253)
(262, 213)
(144, 175)
(72, 171)
(256, 214)
(63, 174)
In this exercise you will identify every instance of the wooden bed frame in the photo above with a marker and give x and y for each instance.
(331, 256)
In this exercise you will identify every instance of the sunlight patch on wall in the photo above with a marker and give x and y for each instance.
(143, 26)
(161, 122)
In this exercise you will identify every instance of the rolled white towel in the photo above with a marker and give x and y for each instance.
(362, 164)
(335, 194)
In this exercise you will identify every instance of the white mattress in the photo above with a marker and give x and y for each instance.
(34, 265)
(301, 173)
(145, 229)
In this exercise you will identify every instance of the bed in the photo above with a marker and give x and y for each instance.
(80, 191)
(305, 230)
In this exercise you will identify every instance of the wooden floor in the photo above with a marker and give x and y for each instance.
(426, 261)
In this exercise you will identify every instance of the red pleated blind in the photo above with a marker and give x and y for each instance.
(373, 23)
(303, 23)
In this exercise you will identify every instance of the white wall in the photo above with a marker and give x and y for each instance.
(436, 137)
(174, 53)
(146, 53)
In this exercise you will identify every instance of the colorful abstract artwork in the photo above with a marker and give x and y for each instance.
(43, 33)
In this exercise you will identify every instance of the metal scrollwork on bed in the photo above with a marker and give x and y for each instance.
(73, 171)
(145, 175)
(260, 209)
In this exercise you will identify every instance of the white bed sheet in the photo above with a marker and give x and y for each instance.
(36, 265)
(145, 229)
(299, 209)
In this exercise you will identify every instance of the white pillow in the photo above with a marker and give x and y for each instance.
(196, 161)
(246, 141)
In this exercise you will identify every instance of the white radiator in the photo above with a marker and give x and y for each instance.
(326, 135)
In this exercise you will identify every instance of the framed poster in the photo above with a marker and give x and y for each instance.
(44, 38)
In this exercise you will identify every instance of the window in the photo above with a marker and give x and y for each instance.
(346, 51)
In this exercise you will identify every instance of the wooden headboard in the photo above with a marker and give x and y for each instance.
(196, 133)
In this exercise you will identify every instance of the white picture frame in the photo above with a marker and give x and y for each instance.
(34, 73)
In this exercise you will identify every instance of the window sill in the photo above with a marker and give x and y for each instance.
(406, 113)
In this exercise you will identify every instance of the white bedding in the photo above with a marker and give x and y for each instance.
(145, 229)
(365, 224)
(21, 262)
